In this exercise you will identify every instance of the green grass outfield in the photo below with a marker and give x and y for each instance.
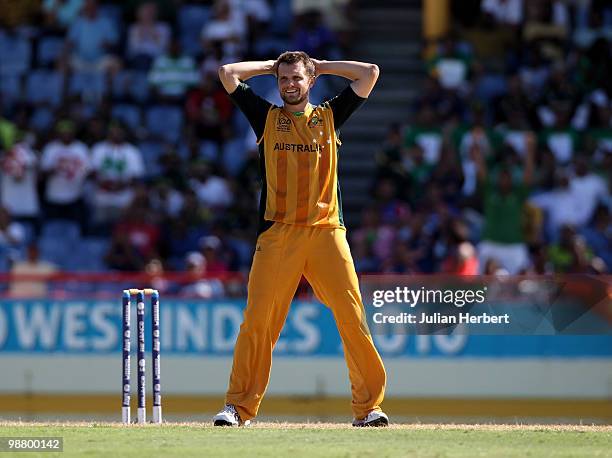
(316, 439)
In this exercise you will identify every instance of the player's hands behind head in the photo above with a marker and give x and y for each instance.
(317, 65)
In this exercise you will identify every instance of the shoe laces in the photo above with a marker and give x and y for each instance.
(231, 409)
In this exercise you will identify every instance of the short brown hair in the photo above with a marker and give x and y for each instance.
(295, 57)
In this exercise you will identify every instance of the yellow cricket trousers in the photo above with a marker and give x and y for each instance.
(285, 252)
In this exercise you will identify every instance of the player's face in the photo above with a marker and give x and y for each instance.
(294, 83)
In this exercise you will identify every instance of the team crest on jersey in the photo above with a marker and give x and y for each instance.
(283, 123)
(314, 121)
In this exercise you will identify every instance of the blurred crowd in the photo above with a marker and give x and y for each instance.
(119, 149)
(505, 163)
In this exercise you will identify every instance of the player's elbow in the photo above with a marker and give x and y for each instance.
(224, 73)
(373, 72)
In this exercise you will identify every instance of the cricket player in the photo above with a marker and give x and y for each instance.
(301, 231)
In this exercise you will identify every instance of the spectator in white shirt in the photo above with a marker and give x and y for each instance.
(147, 37)
(226, 28)
(516, 133)
(589, 189)
(560, 205)
(65, 165)
(212, 191)
(18, 180)
(165, 200)
(252, 18)
(247, 12)
(508, 12)
(117, 165)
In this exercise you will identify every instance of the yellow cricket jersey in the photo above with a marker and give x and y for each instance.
(300, 154)
(298, 158)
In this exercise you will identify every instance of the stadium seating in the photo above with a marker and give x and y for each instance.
(233, 156)
(209, 150)
(10, 89)
(271, 46)
(44, 86)
(128, 114)
(240, 124)
(282, 17)
(89, 86)
(54, 250)
(42, 119)
(120, 87)
(29, 232)
(262, 85)
(132, 85)
(49, 49)
(4, 267)
(61, 229)
(93, 250)
(191, 19)
(139, 88)
(164, 122)
(15, 54)
(243, 250)
(151, 151)
(319, 91)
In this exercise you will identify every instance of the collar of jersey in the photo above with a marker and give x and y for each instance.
(308, 109)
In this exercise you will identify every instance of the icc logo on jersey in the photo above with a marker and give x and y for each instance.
(283, 123)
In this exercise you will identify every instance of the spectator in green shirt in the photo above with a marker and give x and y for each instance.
(8, 133)
(503, 205)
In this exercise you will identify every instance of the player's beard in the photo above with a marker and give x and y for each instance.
(293, 101)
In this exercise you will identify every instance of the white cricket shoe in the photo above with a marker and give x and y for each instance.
(374, 419)
(228, 417)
